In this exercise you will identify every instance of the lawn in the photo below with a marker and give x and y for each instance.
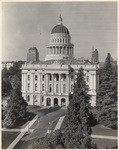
(38, 111)
(53, 124)
(41, 127)
(101, 130)
(7, 138)
(104, 143)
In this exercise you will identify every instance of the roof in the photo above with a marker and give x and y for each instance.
(60, 29)
(72, 61)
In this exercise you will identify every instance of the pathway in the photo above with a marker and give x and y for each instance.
(23, 131)
(59, 123)
(104, 137)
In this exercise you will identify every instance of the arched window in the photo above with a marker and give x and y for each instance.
(60, 40)
(63, 40)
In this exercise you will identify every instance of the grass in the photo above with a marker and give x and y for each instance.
(105, 143)
(101, 130)
(53, 124)
(41, 127)
(7, 138)
(38, 111)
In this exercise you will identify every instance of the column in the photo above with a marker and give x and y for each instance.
(52, 102)
(59, 101)
(67, 81)
(32, 82)
(67, 102)
(40, 82)
(22, 81)
(94, 81)
(59, 83)
(56, 49)
(25, 82)
(45, 101)
(52, 83)
(46, 82)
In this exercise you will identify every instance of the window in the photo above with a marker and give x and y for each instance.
(64, 88)
(36, 77)
(28, 77)
(72, 78)
(87, 78)
(42, 98)
(43, 77)
(56, 88)
(42, 87)
(28, 86)
(64, 77)
(57, 77)
(28, 98)
(60, 40)
(63, 40)
(50, 88)
(35, 98)
(50, 77)
(72, 88)
(36, 87)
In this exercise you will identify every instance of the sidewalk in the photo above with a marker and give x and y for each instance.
(104, 137)
(23, 131)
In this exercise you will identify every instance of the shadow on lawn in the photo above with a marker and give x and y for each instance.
(38, 111)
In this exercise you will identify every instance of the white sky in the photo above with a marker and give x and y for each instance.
(29, 24)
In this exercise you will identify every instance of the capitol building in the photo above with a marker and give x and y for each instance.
(49, 82)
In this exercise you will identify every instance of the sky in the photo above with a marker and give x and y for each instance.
(29, 24)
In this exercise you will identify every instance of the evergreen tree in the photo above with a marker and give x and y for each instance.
(78, 132)
(15, 110)
(107, 94)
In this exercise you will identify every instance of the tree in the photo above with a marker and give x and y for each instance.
(50, 141)
(15, 82)
(107, 94)
(5, 73)
(78, 132)
(6, 87)
(15, 110)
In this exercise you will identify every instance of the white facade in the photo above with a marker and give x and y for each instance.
(49, 83)
(7, 64)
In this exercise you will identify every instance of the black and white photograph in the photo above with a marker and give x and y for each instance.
(59, 65)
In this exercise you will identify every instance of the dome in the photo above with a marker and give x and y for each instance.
(60, 29)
